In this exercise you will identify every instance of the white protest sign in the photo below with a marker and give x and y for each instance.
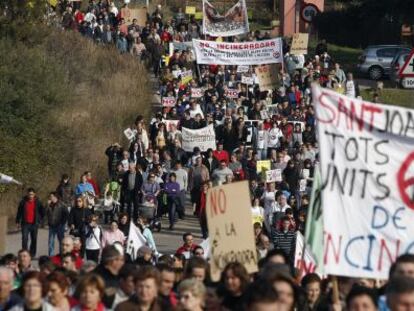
(367, 167)
(268, 77)
(231, 93)
(299, 44)
(274, 175)
(197, 92)
(240, 53)
(176, 73)
(247, 80)
(302, 185)
(171, 124)
(168, 101)
(242, 69)
(229, 220)
(135, 241)
(204, 138)
(304, 263)
(130, 133)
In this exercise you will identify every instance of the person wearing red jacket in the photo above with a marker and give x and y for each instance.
(93, 183)
(67, 247)
(188, 247)
(220, 154)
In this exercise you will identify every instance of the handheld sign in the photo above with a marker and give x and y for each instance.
(299, 44)
(247, 80)
(232, 93)
(168, 101)
(274, 175)
(196, 92)
(367, 167)
(230, 228)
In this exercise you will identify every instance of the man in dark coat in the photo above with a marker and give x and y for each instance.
(131, 190)
(29, 216)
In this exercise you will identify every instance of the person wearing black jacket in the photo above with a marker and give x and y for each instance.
(131, 190)
(78, 219)
(210, 161)
(114, 154)
(29, 216)
(57, 216)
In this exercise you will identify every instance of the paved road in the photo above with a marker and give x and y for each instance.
(167, 241)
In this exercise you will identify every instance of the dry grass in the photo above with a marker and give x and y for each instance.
(105, 91)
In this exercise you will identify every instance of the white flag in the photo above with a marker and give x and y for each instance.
(135, 241)
(205, 244)
(304, 262)
(5, 179)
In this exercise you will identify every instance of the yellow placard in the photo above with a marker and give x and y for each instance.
(199, 15)
(190, 10)
(263, 166)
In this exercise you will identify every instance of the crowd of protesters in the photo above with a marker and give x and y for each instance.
(149, 180)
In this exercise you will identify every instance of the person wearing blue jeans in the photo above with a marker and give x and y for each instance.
(57, 216)
(172, 188)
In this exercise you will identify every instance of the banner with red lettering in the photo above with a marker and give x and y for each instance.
(367, 167)
(304, 262)
(238, 53)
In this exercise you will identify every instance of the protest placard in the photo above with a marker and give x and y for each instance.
(238, 53)
(242, 69)
(234, 22)
(366, 160)
(304, 263)
(130, 133)
(263, 166)
(246, 80)
(231, 93)
(168, 101)
(264, 114)
(197, 92)
(179, 46)
(230, 228)
(190, 10)
(299, 44)
(171, 124)
(203, 138)
(302, 185)
(140, 14)
(268, 77)
(186, 76)
(198, 15)
(274, 175)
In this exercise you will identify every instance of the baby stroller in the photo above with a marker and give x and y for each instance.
(148, 210)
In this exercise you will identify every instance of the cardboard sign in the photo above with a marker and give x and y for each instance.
(263, 166)
(231, 93)
(168, 101)
(268, 77)
(186, 76)
(190, 10)
(246, 80)
(274, 175)
(130, 14)
(197, 92)
(299, 44)
(230, 228)
(366, 159)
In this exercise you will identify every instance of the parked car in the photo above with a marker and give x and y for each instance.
(376, 60)
(396, 65)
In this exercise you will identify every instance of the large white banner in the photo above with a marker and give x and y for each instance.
(239, 53)
(367, 166)
(233, 22)
(204, 138)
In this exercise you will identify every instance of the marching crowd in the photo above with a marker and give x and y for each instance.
(149, 179)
